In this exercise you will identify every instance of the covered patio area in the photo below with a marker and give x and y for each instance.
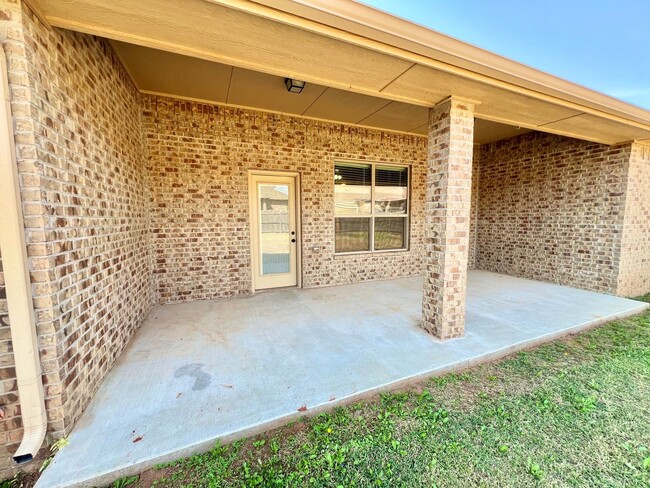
(198, 372)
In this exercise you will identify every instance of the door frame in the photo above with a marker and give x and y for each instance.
(298, 217)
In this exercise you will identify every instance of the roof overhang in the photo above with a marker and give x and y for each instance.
(349, 46)
(156, 72)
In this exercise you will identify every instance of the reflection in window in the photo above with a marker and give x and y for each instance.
(390, 233)
(391, 189)
(352, 189)
(352, 234)
(275, 246)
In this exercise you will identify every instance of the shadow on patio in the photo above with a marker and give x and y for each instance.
(224, 369)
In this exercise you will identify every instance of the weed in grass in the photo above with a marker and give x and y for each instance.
(54, 448)
(274, 446)
(585, 404)
(11, 482)
(124, 482)
(535, 470)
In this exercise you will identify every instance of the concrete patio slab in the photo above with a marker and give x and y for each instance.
(201, 371)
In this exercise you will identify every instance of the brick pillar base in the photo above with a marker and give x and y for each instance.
(447, 218)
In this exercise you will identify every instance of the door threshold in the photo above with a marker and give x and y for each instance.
(279, 288)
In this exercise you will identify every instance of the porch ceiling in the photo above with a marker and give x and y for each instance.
(155, 71)
(356, 59)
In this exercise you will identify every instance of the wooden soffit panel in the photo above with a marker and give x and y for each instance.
(606, 130)
(218, 33)
(433, 86)
(155, 71)
(486, 131)
(280, 42)
(158, 71)
(399, 116)
(438, 50)
(259, 90)
(344, 106)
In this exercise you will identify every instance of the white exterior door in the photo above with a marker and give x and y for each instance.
(274, 231)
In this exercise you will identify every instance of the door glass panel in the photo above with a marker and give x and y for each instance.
(275, 234)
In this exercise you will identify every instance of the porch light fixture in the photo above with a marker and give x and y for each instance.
(294, 86)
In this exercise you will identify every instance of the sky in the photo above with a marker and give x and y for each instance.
(601, 44)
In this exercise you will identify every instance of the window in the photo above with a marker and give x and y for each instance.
(370, 207)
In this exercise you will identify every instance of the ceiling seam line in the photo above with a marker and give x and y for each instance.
(397, 77)
(421, 125)
(562, 119)
(232, 70)
(315, 100)
(373, 113)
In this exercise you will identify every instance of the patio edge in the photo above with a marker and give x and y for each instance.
(108, 477)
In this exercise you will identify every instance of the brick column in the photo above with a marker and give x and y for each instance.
(447, 217)
(634, 255)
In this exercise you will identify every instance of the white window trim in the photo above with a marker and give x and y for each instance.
(373, 215)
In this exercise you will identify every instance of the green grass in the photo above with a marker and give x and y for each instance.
(574, 412)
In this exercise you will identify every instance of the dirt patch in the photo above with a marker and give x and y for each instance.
(150, 476)
(277, 435)
(26, 480)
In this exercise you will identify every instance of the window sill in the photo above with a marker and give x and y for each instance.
(385, 251)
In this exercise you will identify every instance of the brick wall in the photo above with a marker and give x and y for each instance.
(551, 208)
(92, 206)
(200, 156)
(83, 181)
(473, 219)
(634, 269)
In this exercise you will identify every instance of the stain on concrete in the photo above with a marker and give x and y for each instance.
(201, 378)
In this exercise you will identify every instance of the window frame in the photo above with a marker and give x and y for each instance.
(373, 214)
